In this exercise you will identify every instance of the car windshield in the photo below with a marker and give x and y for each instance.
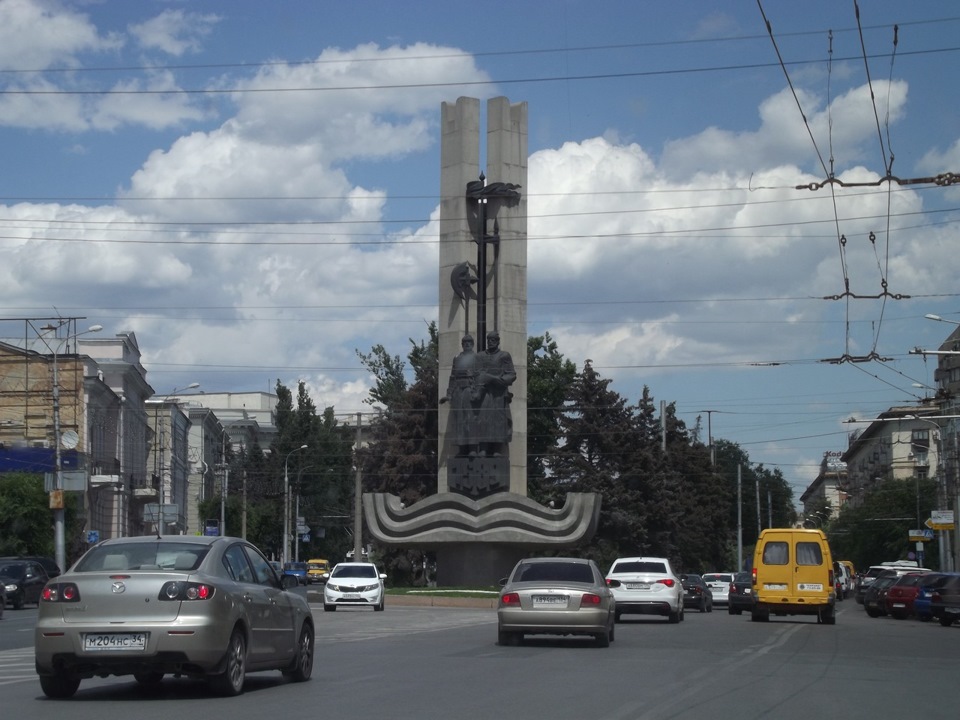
(12, 570)
(743, 577)
(143, 556)
(357, 571)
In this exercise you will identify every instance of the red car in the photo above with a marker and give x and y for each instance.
(900, 595)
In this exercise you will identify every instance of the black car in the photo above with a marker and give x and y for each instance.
(874, 599)
(24, 581)
(741, 594)
(696, 594)
(945, 601)
(49, 564)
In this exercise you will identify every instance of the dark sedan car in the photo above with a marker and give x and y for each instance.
(874, 600)
(945, 601)
(23, 581)
(696, 594)
(741, 594)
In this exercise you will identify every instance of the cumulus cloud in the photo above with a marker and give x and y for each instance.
(174, 32)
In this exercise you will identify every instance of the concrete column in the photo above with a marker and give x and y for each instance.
(507, 308)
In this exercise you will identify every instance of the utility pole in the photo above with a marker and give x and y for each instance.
(357, 499)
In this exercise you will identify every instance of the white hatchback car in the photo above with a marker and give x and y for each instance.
(648, 586)
(719, 584)
(353, 583)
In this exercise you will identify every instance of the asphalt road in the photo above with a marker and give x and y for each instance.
(428, 663)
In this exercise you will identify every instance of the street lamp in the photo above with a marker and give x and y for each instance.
(56, 497)
(162, 434)
(286, 503)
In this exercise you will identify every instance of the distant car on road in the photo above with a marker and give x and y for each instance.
(740, 597)
(648, 586)
(719, 584)
(351, 583)
(696, 594)
(297, 570)
(49, 564)
(23, 581)
(203, 607)
(556, 596)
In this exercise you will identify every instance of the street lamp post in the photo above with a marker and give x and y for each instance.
(286, 503)
(56, 499)
(162, 440)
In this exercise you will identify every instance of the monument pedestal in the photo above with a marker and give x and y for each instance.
(477, 542)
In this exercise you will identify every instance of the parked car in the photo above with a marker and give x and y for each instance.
(696, 594)
(719, 584)
(3, 598)
(945, 601)
(204, 607)
(354, 583)
(930, 583)
(740, 597)
(866, 578)
(556, 596)
(874, 600)
(647, 586)
(23, 581)
(297, 570)
(49, 564)
(899, 598)
(843, 581)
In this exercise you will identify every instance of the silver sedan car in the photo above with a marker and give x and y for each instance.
(556, 596)
(200, 607)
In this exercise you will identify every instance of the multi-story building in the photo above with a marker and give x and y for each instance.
(829, 488)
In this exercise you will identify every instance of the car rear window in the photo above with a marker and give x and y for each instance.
(637, 566)
(721, 577)
(554, 572)
(143, 556)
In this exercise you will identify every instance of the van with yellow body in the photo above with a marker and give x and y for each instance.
(793, 575)
(316, 569)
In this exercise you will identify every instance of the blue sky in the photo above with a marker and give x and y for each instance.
(252, 188)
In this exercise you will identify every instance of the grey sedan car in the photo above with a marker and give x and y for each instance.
(201, 607)
(556, 596)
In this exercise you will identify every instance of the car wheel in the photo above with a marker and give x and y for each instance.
(617, 615)
(873, 613)
(329, 608)
(17, 602)
(710, 606)
(703, 605)
(827, 616)
(674, 616)
(230, 681)
(59, 686)
(148, 677)
(303, 662)
(760, 616)
(602, 640)
(946, 620)
(379, 606)
(613, 631)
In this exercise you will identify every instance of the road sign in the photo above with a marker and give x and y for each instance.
(921, 535)
(940, 520)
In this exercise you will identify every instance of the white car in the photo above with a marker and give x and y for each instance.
(719, 584)
(648, 586)
(353, 583)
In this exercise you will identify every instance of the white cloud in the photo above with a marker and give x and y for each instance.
(174, 32)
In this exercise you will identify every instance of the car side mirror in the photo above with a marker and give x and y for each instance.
(289, 581)
(503, 581)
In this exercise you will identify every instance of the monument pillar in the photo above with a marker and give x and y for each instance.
(506, 261)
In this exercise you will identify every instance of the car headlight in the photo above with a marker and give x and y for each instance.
(12, 587)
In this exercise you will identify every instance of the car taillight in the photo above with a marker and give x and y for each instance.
(589, 599)
(510, 599)
(669, 582)
(60, 592)
(177, 590)
(753, 576)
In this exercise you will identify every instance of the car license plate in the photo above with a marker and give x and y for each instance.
(638, 586)
(747, 591)
(105, 642)
(351, 596)
(775, 586)
(540, 600)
